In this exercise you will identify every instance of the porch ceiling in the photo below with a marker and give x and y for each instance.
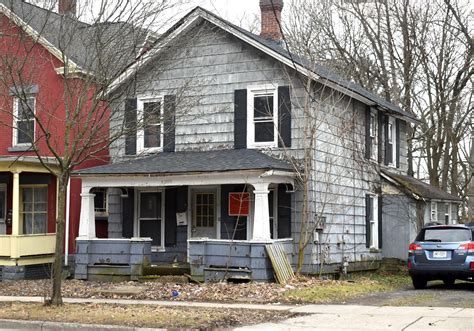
(191, 162)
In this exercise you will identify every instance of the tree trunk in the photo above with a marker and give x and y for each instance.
(56, 297)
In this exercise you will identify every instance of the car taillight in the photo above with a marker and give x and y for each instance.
(409, 265)
(467, 247)
(471, 265)
(414, 247)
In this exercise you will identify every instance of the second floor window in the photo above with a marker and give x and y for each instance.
(150, 134)
(24, 121)
(392, 142)
(262, 117)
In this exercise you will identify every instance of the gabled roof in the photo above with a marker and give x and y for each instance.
(192, 162)
(79, 42)
(418, 188)
(273, 49)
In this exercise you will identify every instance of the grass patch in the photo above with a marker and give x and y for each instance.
(342, 290)
(138, 315)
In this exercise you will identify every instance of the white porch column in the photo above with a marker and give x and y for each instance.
(16, 226)
(87, 220)
(261, 217)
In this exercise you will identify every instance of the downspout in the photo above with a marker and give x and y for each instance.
(68, 205)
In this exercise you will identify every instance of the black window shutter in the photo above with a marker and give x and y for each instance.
(379, 216)
(398, 124)
(128, 207)
(380, 139)
(368, 216)
(284, 116)
(240, 119)
(284, 212)
(182, 199)
(368, 147)
(169, 123)
(388, 150)
(170, 216)
(130, 125)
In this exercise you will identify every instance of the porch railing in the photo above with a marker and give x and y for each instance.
(27, 245)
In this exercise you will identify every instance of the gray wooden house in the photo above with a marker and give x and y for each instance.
(214, 173)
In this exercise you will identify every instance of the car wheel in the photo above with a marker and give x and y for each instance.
(449, 281)
(419, 283)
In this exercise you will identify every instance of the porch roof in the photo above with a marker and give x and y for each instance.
(191, 162)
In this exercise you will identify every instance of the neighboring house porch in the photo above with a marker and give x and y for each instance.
(211, 209)
(28, 207)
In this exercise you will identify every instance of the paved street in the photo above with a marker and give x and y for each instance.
(354, 317)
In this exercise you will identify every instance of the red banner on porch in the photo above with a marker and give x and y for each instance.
(239, 204)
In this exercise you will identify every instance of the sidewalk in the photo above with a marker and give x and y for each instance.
(320, 317)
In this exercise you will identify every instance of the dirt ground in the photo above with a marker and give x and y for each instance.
(460, 295)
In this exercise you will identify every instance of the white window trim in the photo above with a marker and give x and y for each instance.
(374, 226)
(252, 91)
(16, 102)
(141, 100)
(392, 139)
(373, 134)
(160, 248)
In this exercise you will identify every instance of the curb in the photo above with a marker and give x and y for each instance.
(56, 326)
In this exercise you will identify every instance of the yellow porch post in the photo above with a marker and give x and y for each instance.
(15, 215)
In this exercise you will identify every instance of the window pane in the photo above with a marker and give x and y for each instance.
(151, 112)
(152, 136)
(25, 131)
(41, 194)
(264, 132)
(27, 195)
(151, 229)
(39, 223)
(28, 223)
(150, 205)
(263, 106)
(27, 206)
(26, 109)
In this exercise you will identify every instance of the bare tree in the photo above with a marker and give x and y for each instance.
(75, 124)
(416, 56)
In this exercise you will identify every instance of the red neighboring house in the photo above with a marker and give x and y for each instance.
(28, 190)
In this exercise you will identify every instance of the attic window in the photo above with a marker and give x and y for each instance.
(150, 133)
(24, 120)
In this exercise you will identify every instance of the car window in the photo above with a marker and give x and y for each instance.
(445, 235)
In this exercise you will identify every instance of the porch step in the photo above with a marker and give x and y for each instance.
(172, 269)
(108, 273)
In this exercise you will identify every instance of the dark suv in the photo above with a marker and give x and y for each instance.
(443, 252)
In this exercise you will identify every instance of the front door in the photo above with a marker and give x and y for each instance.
(150, 220)
(204, 213)
(3, 208)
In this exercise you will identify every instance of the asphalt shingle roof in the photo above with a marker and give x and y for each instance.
(420, 188)
(104, 48)
(191, 162)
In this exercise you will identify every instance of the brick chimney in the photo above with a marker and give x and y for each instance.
(271, 17)
(67, 7)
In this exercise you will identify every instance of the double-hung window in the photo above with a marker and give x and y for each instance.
(372, 221)
(34, 209)
(150, 133)
(24, 121)
(262, 116)
(434, 211)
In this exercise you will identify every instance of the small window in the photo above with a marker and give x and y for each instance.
(34, 209)
(262, 117)
(150, 134)
(24, 121)
(100, 201)
(372, 218)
